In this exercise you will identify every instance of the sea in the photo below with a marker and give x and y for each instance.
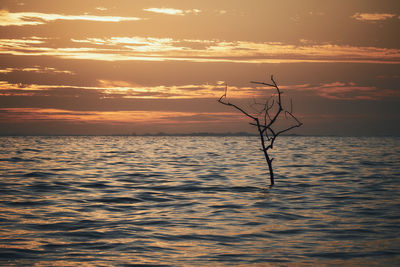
(199, 201)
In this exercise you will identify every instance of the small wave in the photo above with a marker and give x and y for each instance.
(19, 253)
(80, 245)
(229, 257)
(38, 174)
(59, 169)
(335, 173)
(28, 203)
(122, 152)
(46, 187)
(227, 206)
(95, 185)
(286, 216)
(287, 232)
(87, 234)
(204, 237)
(152, 222)
(349, 233)
(213, 177)
(117, 200)
(301, 166)
(338, 255)
(31, 150)
(377, 163)
(151, 197)
(16, 159)
(64, 226)
(144, 174)
(244, 189)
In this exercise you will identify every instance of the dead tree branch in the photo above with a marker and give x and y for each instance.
(265, 118)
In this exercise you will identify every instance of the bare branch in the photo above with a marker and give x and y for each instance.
(267, 84)
(291, 106)
(268, 115)
(233, 105)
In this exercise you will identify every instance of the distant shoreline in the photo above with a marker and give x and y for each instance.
(200, 134)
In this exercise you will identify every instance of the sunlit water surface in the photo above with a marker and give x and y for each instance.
(186, 201)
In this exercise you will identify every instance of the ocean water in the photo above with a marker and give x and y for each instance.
(199, 201)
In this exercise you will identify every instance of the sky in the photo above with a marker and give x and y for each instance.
(148, 66)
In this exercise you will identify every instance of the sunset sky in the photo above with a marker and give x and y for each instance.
(148, 66)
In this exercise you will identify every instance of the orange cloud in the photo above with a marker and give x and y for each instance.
(19, 115)
(124, 89)
(34, 18)
(372, 17)
(36, 69)
(172, 11)
(168, 49)
(345, 91)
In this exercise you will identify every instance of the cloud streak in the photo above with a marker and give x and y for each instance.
(36, 69)
(35, 18)
(168, 49)
(373, 17)
(172, 11)
(20, 115)
(345, 91)
(125, 90)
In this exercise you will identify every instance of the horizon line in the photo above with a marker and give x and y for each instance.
(196, 134)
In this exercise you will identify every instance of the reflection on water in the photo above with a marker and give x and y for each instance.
(198, 201)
